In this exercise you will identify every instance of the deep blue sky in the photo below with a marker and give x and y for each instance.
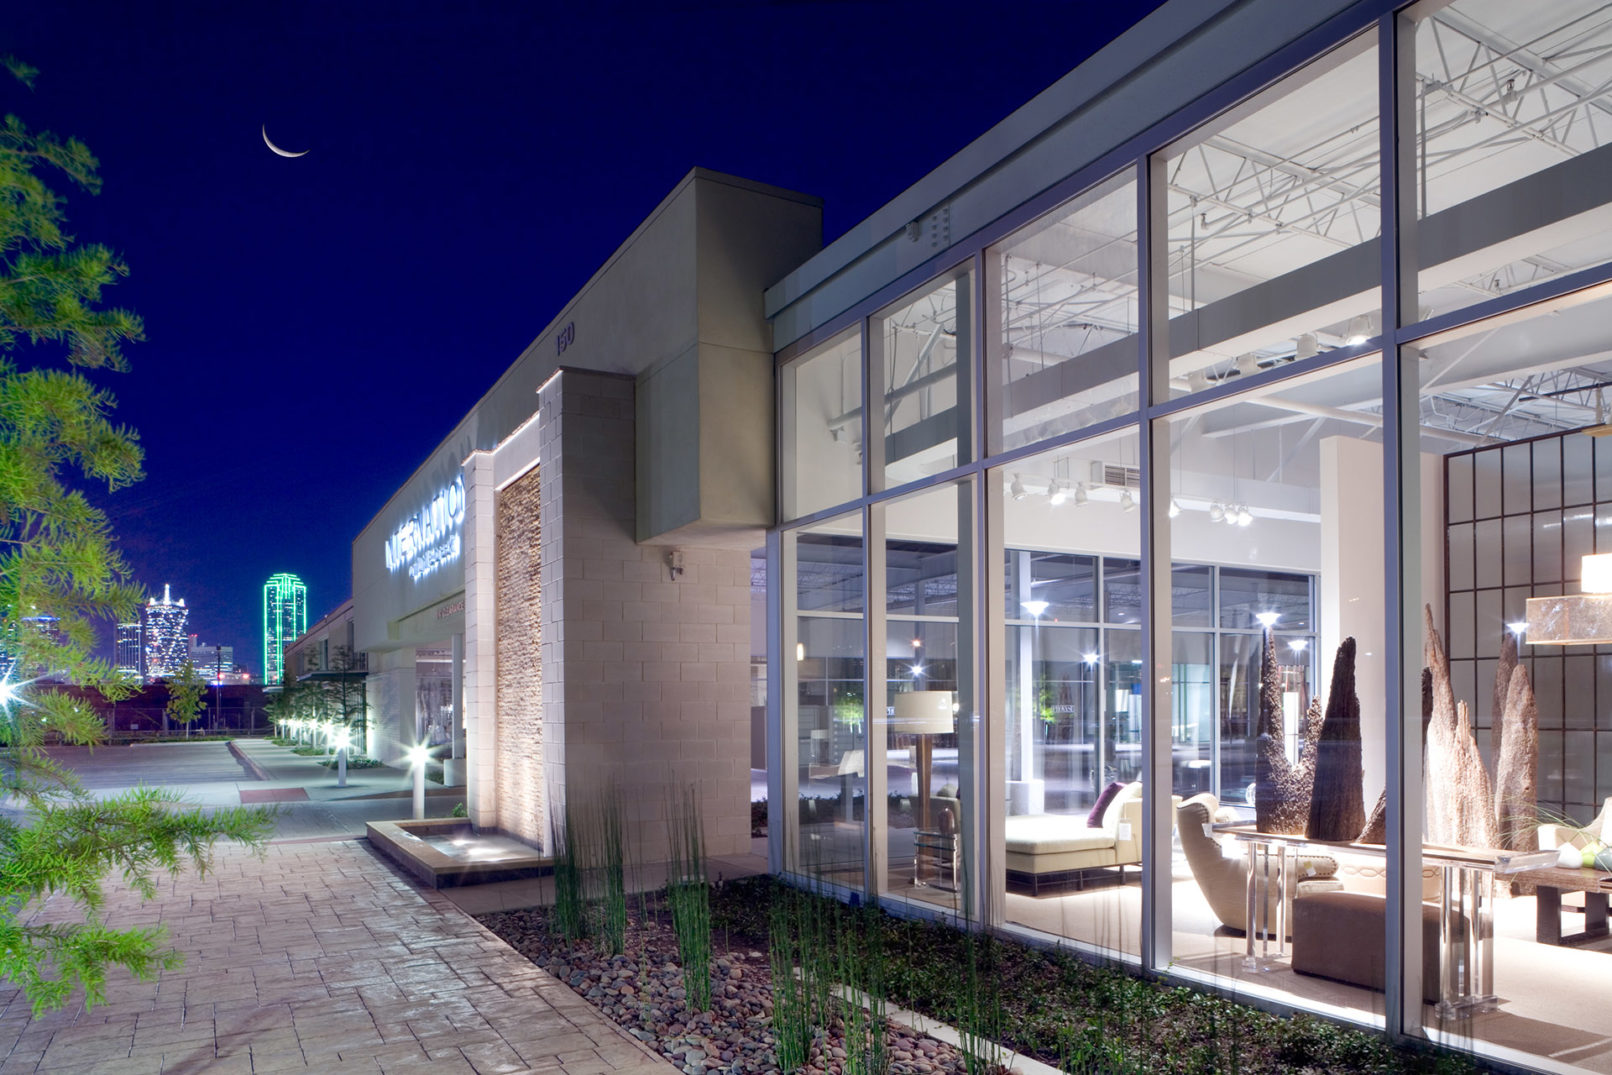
(317, 325)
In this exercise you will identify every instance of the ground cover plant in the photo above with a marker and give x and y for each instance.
(779, 955)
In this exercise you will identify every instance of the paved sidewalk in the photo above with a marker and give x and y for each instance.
(277, 767)
(318, 957)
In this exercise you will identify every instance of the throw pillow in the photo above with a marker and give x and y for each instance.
(1094, 820)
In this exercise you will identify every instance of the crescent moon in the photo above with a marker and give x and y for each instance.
(276, 148)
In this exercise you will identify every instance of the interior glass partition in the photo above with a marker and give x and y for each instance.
(827, 716)
(1517, 492)
(1277, 714)
(1072, 682)
(924, 665)
(1513, 107)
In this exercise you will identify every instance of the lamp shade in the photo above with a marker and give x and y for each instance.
(922, 713)
(1570, 620)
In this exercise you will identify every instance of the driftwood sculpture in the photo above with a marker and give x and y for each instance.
(1460, 803)
(1516, 781)
(1502, 687)
(1281, 796)
(1337, 804)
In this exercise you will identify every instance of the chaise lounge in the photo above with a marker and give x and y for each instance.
(1058, 846)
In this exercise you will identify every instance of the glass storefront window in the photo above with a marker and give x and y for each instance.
(1511, 104)
(1272, 209)
(1072, 689)
(922, 352)
(822, 427)
(1283, 508)
(827, 715)
(1062, 296)
(926, 684)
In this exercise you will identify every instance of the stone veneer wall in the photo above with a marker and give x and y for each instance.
(646, 678)
(519, 663)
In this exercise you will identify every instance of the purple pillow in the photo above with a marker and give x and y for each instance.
(1094, 820)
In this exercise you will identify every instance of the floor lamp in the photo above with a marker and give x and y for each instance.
(923, 714)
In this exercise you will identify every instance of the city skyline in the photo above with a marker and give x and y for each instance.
(285, 619)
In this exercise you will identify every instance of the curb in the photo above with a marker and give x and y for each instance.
(257, 771)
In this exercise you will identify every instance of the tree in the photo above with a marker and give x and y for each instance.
(57, 558)
(187, 690)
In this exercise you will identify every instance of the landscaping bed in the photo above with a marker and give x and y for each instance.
(1060, 1010)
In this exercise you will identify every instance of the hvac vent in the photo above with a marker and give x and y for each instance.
(1117, 475)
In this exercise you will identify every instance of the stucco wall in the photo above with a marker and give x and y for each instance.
(519, 667)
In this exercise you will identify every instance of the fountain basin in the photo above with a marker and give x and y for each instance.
(445, 852)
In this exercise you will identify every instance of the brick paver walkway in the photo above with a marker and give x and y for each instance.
(318, 957)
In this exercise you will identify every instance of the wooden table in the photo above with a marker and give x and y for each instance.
(1549, 883)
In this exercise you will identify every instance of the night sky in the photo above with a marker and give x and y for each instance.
(316, 326)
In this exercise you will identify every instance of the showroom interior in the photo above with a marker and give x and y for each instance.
(1132, 470)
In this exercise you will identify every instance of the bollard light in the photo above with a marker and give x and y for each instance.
(418, 755)
(342, 739)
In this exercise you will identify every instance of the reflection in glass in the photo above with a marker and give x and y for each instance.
(1064, 351)
(822, 448)
(1271, 208)
(830, 718)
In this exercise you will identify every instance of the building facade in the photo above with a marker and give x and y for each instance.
(129, 650)
(559, 599)
(1253, 367)
(214, 663)
(285, 618)
(163, 633)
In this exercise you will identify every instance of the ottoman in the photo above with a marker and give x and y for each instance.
(1340, 935)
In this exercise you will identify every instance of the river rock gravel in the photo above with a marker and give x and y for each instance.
(642, 990)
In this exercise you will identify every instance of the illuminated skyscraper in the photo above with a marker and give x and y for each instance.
(212, 663)
(131, 650)
(285, 618)
(165, 642)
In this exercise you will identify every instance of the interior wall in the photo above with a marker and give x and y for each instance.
(1352, 545)
(518, 635)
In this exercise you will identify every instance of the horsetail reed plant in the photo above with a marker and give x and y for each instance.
(688, 893)
(612, 846)
(867, 1044)
(570, 899)
(791, 1014)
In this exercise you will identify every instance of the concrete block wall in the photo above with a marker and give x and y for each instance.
(519, 631)
(390, 693)
(645, 675)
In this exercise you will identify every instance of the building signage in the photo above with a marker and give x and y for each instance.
(429, 538)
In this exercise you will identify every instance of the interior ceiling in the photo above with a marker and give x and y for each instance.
(1504, 91)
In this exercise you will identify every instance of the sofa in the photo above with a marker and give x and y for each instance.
(1042, 846)
(1599, 828)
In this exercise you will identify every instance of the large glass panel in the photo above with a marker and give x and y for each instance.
(1513, 743)
(1513, 114)
(830, 718)
(1064, 350)
(924, 757)
(924, 345)
(1072, 691)
(1272, 209)
(822, 434)
(1282, 501)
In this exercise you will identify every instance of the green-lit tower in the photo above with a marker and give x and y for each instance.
(285, 619)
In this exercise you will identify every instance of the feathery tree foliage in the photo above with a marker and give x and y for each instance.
(58, 842)
(186, 692)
